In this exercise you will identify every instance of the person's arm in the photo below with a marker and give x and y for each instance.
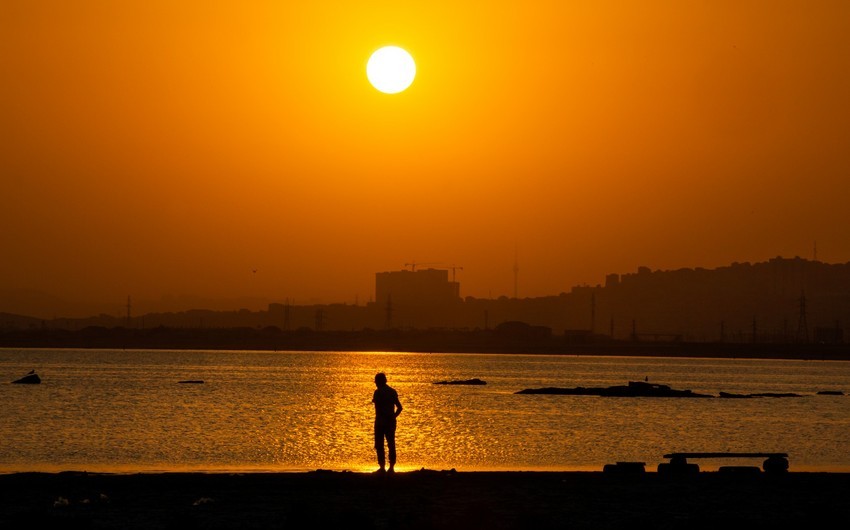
(397, 406)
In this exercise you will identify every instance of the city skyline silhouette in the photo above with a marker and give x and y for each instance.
(226, 152)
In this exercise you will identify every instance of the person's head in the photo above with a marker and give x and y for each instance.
(380, 379)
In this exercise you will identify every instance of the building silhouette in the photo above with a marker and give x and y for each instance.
(739, 303)
(418, 298)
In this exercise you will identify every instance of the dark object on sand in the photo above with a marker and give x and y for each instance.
(191, 382)
(475, 381)
(677, 466)
(776, 462)
(763, 394)
(740, 470)
(634, 389)
(830, 393)
(625, 468)
(31, 378)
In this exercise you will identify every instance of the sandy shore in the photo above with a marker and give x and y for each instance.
(424, 499)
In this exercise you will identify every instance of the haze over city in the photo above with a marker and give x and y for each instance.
(225, 151)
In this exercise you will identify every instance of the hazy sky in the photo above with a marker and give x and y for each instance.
(150, 148)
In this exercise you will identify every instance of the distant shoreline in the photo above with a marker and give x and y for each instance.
(425, 499)
(419, 341)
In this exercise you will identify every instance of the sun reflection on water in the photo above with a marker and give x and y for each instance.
(265, 411)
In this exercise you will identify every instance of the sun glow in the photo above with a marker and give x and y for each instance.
(391, 69)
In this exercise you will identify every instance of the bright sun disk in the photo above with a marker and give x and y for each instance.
(391, 69)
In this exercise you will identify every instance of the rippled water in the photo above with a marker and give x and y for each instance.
(124, 411)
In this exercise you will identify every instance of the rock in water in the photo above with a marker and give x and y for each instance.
(31, 378)
(633, 389)
(475, 381)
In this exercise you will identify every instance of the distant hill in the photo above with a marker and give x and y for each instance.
(9, 320)
(38, 304)
(46, 306)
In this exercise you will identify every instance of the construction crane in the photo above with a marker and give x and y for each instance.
(413, 265)
(453, 268)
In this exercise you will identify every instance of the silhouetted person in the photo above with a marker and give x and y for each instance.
(387, 409)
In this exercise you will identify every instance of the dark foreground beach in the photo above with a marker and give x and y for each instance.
(424, 499)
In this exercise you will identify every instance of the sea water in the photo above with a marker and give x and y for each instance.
(126, 411)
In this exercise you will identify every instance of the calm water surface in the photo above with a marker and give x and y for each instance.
(124, 411)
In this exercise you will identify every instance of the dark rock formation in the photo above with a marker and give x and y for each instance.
(625, 468)
(729, 395)
(633, 389)
(31, 378)
(475, 381)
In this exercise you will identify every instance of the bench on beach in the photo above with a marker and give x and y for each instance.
(774, 463)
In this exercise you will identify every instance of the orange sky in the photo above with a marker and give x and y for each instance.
(157, 148)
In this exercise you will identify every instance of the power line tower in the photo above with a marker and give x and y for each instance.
(802, 324)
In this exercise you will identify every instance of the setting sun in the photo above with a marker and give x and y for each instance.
(391, 69)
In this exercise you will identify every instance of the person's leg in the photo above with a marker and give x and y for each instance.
(379, 446)
(390, 433)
